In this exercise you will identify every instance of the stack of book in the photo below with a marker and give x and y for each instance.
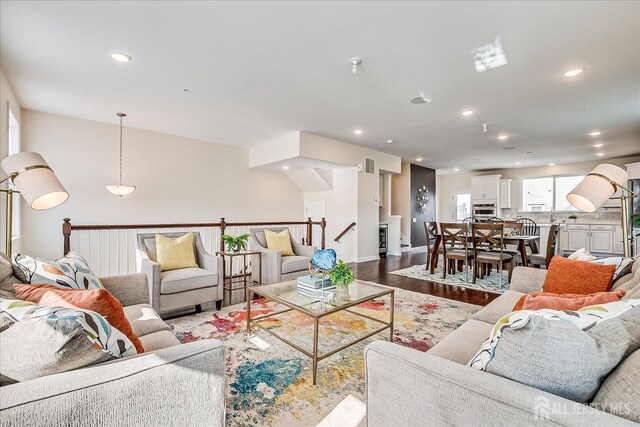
(312, 286)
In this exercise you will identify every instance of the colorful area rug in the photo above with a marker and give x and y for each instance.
(269, 383)
(490, 283)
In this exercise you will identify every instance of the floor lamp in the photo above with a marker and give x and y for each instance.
(35, 180)
(599, 186)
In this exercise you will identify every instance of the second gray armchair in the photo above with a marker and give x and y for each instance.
(185, 287)
(275, 267)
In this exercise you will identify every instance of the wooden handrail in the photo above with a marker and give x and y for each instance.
(67, 228)
(345, 231)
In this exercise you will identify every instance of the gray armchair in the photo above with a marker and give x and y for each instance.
(275, 267)
(174, 289)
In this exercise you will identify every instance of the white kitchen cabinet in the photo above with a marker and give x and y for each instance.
(578, 237)
(633, 169)
(505, 194)
(485, 189)
(601, 239)
(596, 238)
(618, 248)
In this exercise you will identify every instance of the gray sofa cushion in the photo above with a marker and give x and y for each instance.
(7, 279)
(186, 279)
(560, 358)
(158, 340)
(144, 320)
(51, 347)
(463, 343)
(620, 392)
(294, 263)
(498, 307)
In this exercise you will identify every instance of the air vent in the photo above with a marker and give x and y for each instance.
(369, 166)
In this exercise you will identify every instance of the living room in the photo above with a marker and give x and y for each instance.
(319, 213)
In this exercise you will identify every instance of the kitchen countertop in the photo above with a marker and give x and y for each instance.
(594, 222)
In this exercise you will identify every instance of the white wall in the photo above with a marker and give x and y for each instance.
(7, 100)
(447, 183)
(340, 210)
(401, 199)
(178, 180)
(329, 150)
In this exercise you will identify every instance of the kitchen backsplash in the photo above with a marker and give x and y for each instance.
(544, 217)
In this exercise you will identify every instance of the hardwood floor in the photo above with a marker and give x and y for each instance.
(379, 271)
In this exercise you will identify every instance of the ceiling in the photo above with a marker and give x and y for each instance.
(260, 70)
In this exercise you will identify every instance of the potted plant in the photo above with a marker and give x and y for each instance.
(572, 218)
(342, 277)
(236, 244)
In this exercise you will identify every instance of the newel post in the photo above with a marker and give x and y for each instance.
(66, 233)
(323, 225)
(309, 232)
(223, 228)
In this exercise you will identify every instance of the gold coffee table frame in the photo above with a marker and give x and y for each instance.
(304, 305)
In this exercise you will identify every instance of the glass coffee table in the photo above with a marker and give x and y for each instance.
(286, 294)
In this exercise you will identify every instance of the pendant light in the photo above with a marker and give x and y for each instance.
(121, 190)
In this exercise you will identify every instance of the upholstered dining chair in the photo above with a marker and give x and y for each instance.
(185, 287)
(488, 250)
(275, 267)
(455, 248)
(430, 230)
(543, 260)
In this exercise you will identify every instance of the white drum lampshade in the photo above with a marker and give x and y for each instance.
(35, 180)
(596, 188)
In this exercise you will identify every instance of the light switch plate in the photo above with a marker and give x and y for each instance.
(414, 220)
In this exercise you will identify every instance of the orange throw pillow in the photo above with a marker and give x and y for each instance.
(568, 276)
(572, 302)
(99, 300)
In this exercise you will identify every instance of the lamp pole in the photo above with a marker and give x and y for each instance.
(9, 213)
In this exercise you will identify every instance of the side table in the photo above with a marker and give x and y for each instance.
(228, 279)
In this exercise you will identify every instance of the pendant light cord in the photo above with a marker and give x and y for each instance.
(120, 182)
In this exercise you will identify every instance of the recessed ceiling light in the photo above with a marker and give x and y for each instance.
(598, 145)
(552, 164)
(600, 154)
(574, 72)
(456, 169)
(467, 113)
(286, 167)
(503, 137)
(419, 159)
(121, 57)
(529, 152)
(517, 163)
(595, 133)
(390, 141)
(358, 131)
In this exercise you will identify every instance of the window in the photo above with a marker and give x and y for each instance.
(548, 193)
(537, 194)
(461, 205)
(564, 185)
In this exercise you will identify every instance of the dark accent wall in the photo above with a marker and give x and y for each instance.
(421, 176)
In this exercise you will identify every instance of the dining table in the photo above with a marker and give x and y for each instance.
(520, 240)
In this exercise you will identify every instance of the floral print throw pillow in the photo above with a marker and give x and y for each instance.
(68, 272)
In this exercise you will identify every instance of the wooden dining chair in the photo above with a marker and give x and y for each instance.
(512, 228)
(430, 231)
(495, 220)
(488, 250)
(530, 228)
(543, 260)
(455, 250)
